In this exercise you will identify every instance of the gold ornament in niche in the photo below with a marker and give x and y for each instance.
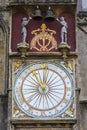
(17, 113)
(17, 64)
(43, 39)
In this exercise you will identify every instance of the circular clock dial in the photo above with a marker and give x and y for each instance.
(43, 90)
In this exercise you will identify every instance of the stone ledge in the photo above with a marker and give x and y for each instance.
(43, 122)
(40, 54)
(83, 100)
(63, 2)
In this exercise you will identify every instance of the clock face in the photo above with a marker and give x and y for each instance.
(43, 89)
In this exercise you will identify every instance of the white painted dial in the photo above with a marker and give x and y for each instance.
(43, 90)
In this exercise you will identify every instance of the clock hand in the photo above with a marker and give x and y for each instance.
(44, 67)
(39, 82)
(45, 73)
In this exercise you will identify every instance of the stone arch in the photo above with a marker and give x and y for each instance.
(4, 48)
(1, 35)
